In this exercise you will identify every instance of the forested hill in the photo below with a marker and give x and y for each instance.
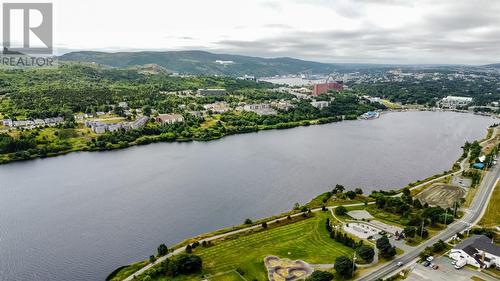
(205, 63)
(495, 65)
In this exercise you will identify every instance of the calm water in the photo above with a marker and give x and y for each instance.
(79, 216)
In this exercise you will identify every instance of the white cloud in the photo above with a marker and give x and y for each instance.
(378, 31)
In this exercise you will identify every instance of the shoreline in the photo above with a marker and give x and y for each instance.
(145, 139)
(242, 228)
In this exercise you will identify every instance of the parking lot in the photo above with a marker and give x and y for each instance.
(445, 272)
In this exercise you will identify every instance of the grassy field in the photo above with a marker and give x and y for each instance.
(491, 217)
(307, 240)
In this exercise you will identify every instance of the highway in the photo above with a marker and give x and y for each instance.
(471, 217)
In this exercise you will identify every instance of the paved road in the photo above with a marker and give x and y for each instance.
(477, 209)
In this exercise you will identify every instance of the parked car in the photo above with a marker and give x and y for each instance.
(431, 258)
(426, 264)
(400, 263)
(435, 266)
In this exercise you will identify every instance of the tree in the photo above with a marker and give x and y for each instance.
(152, 259)
(340, 210)
(318, 275)
(344, 267)
(351, 194)
(264, 225)
(338, 189)
(438, 246)
(248, 221)
(162, 250)
(146, 110)
(383, 243)
(366, 252)
(189, 249)
(187, 264)
(358, 191)
(409, 231)
(385, 247)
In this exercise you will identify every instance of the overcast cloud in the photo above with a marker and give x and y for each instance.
(371, 31)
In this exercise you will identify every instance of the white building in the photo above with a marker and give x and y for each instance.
(260, 108)
(169, 118)
(320, 104)
(454, 102)
(478, 251)
(218, 107)
(7, 122)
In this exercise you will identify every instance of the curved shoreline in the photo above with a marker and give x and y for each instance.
(145, 139)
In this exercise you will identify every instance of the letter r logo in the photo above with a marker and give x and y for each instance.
(36, 23)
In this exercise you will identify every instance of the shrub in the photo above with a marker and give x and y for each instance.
(340, 210)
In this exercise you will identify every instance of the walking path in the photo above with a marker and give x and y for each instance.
(215, 237)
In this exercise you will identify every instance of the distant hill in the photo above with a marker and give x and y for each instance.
(494, 65)
(205, 63)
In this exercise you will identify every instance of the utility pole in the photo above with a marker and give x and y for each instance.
(353, 262)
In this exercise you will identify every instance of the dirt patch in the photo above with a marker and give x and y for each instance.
(442, 195)
(286, 270)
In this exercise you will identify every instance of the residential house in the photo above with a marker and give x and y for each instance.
(478, 251)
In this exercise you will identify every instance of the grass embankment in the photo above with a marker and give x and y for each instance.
(125, 271)
(491, 217)
(326, 199)
(307, 240)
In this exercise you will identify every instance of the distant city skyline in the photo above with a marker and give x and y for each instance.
(332, 31)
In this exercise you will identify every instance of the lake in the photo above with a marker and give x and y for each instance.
(81, 215)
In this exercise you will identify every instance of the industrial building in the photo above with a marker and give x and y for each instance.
(322, 88)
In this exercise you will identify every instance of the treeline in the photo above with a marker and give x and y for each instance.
(183, 264)
(415, 216)
(428, 91)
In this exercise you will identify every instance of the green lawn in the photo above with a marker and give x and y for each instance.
(491, 216)
(307, 240)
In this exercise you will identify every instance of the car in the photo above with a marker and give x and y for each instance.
(430, 258)
(426, 264)
(435, 266)
(400, 263)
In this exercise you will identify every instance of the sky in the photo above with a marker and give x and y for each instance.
(358, 31)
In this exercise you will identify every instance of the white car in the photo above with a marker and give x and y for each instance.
(454, 262)
(429, 259)
(400, 263)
